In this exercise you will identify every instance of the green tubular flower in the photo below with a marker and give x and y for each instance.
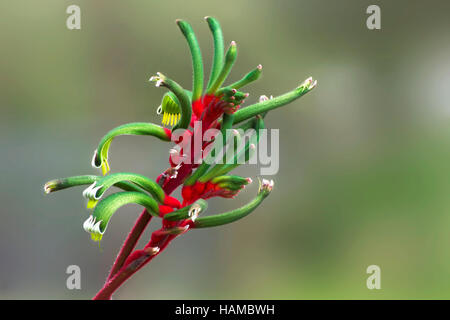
(230, 58)
(64, 183)
(270, 104)
(100, 158)
(188, 212)
(182, 96)
(231, 179)
(96, 190)
(97, 223)
(216, 31)
(197, 63)
(247, 79)
(265, 188)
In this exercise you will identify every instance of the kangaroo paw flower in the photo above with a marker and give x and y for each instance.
(201, 174)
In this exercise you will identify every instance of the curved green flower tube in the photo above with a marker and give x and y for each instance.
(181, 95)
(64, 183)
(100, 158)
(96, 190)
(97, 223)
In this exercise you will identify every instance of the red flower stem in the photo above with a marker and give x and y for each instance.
(126, 272)
(115, 282)
(118, 275)
(130, 242)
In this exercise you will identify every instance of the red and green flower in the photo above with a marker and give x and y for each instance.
(215, 106)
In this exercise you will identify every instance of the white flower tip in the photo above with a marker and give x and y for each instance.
(259, 67)
(159, 79)
(235, 132)
(249, 180)
(94, 157)
(309, 83)
(91, 191)
(50, 186)
(92, 226)
(266, 185)
(194, 211)
(264, 98)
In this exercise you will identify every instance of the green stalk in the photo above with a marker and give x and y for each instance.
(248, 78)
(264, 106)
(230, 216)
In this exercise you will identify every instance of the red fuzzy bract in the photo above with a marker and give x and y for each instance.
(205, 191)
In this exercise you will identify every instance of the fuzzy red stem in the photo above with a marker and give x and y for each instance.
(130, 242)
(118, 274)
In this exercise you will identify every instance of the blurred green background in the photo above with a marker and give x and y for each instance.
(364, 158)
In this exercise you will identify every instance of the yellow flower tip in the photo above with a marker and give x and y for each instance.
(92, 226)
(170, 118)
(96, 237)
(105, 167)
(91, 203)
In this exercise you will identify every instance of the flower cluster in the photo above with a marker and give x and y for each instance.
(217, 106)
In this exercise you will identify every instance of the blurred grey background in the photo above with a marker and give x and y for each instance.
(365, 158)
